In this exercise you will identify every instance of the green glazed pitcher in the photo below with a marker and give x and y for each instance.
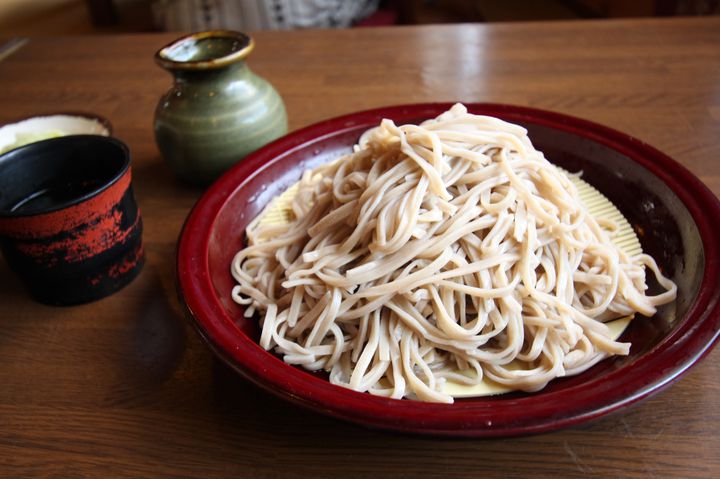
(217, 110)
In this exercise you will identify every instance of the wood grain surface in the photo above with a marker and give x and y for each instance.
(124, 387)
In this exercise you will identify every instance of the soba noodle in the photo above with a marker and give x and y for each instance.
(450, 250)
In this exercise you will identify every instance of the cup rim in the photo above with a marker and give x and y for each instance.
(162, 56)
(48, 144)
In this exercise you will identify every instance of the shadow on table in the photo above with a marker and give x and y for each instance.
(274, 433)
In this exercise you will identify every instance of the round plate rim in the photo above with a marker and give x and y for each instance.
(694, 336)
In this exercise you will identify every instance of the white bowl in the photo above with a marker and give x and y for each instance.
(38, 128)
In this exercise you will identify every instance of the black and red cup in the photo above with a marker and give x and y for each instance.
(69, 224)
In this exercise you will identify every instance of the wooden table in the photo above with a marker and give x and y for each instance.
(125, 387)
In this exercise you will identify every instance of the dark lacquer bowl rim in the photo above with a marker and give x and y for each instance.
(654, 370)
(68, 141)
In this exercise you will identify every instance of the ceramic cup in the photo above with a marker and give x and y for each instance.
(69, 224)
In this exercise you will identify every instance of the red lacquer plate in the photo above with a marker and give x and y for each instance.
(671, 210)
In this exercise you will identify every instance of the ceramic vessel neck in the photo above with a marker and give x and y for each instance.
(228, 72)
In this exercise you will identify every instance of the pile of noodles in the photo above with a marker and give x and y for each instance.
(452, 250)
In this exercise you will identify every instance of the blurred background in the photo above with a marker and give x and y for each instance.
(57, 17)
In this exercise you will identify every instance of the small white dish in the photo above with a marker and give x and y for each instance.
(30, 130)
